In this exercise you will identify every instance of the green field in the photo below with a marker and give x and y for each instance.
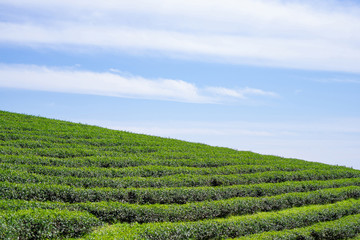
(63, 180)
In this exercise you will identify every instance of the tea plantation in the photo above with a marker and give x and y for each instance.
(62, 180)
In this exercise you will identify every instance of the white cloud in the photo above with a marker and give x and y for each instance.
(258, 92)
(239, 93)
(86, 82)
(67, 80)
(294, 34)
(226, 92)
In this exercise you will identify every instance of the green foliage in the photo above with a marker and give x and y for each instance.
(343, 228)
(123, 212)
(45, 223)
(182, 180)
(112, 212)
(235, 226)
(45, 192)
(145, 171)
(62, 180)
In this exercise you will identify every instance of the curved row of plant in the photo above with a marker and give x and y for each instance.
(113, 212)
(231, 227)
(123, 144)
(20, 223)
(165, 159)
(120, 147)
(182, 180)
(33, 220)
(343, 228)
(46, 192)
(154, 171)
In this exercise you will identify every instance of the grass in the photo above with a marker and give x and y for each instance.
(73, 181)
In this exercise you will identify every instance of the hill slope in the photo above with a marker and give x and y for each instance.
(65, 180)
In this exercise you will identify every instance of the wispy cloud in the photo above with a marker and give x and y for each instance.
(338, 80)
(240, 93)
(68, 80)
(293, 34)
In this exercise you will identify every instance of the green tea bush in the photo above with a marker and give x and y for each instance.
(112, 212)
(45, 223)
(145, 171)
(343, 228)
(183, 180)
(45, 192)
(164, 158)
(236, 226)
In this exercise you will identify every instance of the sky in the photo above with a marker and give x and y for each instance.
(278, 77)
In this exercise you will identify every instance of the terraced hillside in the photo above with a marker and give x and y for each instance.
(67, 180)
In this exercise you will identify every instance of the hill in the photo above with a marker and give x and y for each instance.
(65, 180)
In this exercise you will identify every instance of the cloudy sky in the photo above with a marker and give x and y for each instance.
(276, 77)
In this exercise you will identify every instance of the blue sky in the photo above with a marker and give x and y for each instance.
(276, 77)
